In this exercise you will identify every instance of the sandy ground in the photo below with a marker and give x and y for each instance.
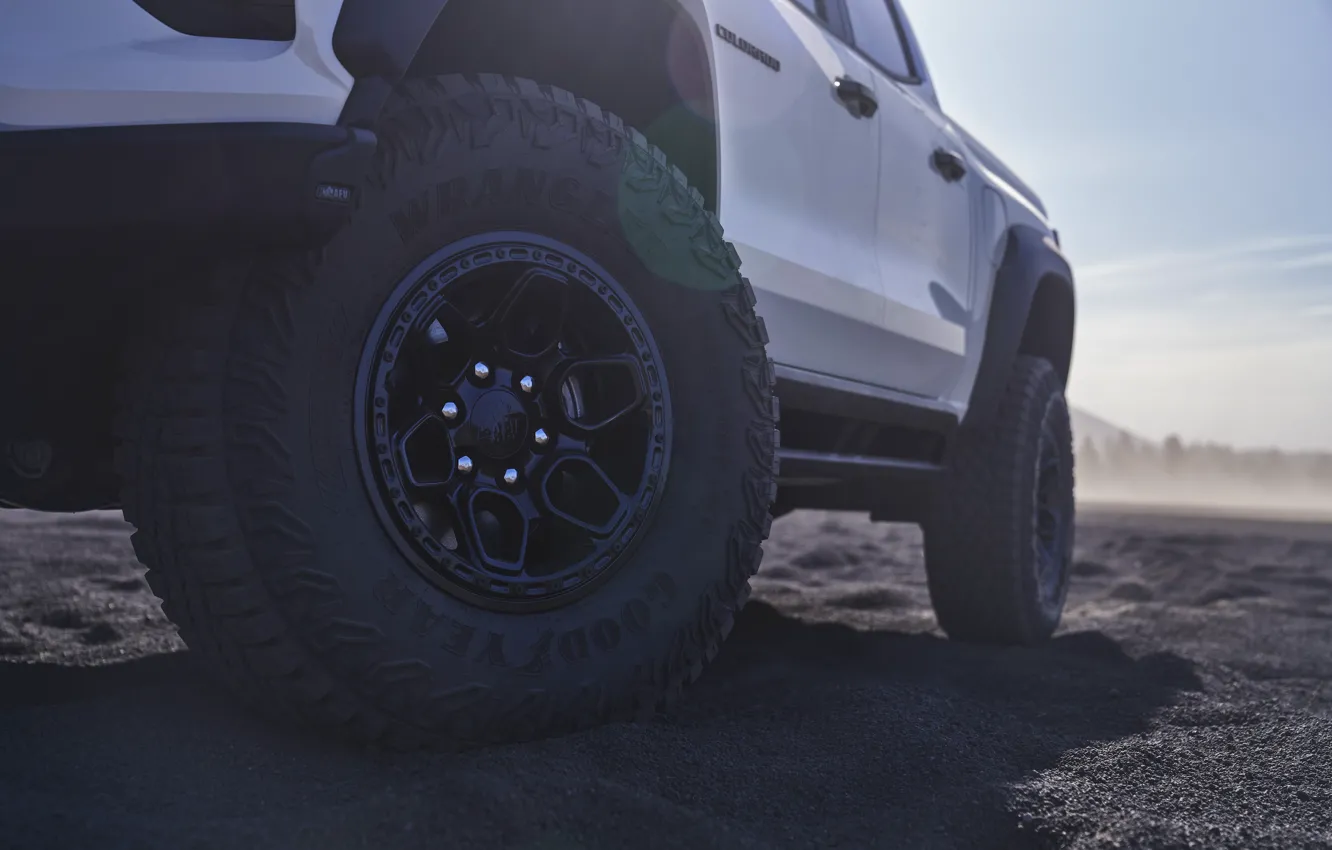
(1186, 702)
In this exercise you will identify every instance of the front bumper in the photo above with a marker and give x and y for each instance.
(266, 184)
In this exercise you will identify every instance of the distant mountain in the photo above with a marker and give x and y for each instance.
(1197, 475)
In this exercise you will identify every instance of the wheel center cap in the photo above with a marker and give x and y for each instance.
(499, 424)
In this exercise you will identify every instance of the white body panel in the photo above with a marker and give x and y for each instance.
(799, 189)
(798, 219)
(867, 265)
(924, 245)
(66, 63)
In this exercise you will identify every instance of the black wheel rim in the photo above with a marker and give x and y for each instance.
(1053, 516)
(513, 421)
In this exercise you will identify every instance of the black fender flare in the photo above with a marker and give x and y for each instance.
(1032, 260)
(376, 41)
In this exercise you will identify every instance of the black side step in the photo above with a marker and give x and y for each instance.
(801, 389)
(807, 468)
(848, 446)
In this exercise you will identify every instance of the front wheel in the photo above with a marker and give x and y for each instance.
(999, 541)
(496, 466)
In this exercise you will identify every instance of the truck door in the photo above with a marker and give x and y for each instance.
(924, 222)
(800, 180)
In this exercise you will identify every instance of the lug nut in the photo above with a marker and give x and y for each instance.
(482, 371)
(465, 465)
(450, 410)
(527, 384)
(541, 437)
(510, 476)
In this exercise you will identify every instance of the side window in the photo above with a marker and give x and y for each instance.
(874, 26)
(818, 8)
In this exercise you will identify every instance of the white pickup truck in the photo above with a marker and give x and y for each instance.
(433, 389)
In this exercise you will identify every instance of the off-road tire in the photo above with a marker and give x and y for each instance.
(252, 515)
(982, 547)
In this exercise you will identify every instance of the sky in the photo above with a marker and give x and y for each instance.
(1183, 149)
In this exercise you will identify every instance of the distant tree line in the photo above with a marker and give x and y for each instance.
(1126, 459)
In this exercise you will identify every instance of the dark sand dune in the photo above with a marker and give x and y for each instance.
(1186, 702)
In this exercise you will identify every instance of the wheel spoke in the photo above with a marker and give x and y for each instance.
(498, 527)
(438, 350)
(597, 393)
(441, 514)
(531, 316)
(448, 325)
(578, 491)
(427, 454)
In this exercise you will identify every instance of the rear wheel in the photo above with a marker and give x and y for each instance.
(496, 465)
(999, 542)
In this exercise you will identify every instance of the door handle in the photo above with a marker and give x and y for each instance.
(948, 164)
(856, 96)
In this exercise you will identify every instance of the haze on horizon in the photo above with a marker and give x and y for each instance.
(1184, 151)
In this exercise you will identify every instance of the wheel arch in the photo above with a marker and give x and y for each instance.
(1048, 332)
(647, 61)
(1032, 311)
